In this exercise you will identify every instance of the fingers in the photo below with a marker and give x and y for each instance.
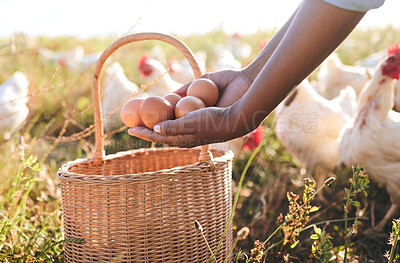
(178, 140)
(175, 127)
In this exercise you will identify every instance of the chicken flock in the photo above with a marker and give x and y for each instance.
(347, 116)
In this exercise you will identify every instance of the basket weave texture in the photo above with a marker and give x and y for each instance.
(141, 205)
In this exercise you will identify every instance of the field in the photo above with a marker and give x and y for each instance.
(60, 106)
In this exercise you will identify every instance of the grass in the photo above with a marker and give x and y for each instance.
(60, 105)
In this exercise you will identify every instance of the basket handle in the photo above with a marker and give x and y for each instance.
(98, 121)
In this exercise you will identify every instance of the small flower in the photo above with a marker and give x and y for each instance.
(386, 255)
(258, 251)
(308, 181)
(286, 258)
(362, 174)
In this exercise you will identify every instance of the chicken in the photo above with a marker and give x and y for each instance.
(239, 49)
(152, 70)
(347, 100)
(242, 144)
(372, 60)
(308, 126)
(396, 106)
(333, 76)
(181, 70)
(158, 53)
(254, 138)
(90, 59)
(74, 59)
(225, 59)
(13, 100)
(118, 89)
(69, 58)
(372, 138)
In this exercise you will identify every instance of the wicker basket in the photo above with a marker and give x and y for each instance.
(141, 205)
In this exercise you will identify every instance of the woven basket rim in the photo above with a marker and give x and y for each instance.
(64, 173)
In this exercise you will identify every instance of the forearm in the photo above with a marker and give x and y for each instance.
(315, 31)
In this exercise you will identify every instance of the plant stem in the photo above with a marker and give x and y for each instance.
(252, 156)
(346, 211)
(208, 246)
(392, 250)
(231, 250)
(333, 221)
(346, 240)
(292, 214)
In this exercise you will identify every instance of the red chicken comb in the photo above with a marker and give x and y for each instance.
(395, 49)
(142, 60)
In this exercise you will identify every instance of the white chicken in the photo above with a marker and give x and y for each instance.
(158, 53)
(308, 126)
(74, 59)
(69, 58)
(239, 49)
(333, 76)
(372, 137)
(396, 106)
(372, 60)
(13, 108)
(118, 88)
(347, 100)
(181, 70)
(152, 70)
(89, 60)
(225, 59)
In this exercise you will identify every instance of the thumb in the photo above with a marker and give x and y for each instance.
(175, 127)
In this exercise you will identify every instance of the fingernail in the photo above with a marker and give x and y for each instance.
(157, 128)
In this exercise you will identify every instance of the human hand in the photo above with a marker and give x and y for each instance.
(232, 85)
(204, 126)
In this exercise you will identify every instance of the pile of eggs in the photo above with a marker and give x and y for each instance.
(149, 111)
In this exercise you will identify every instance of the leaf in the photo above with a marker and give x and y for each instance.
(314, 209)
(314, 236)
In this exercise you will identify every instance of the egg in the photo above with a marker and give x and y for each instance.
(188, 104)
(130, 113)
(173, 98)
(204, 89)
(156, 109)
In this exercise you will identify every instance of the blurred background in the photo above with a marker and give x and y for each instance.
(47, 53)
(103, 18)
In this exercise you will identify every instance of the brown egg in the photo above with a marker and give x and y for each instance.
(156, 109)
(130, 113)
(204, 89)
(173, 98)
(188, 104)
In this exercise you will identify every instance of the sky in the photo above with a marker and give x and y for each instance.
(86, 18)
